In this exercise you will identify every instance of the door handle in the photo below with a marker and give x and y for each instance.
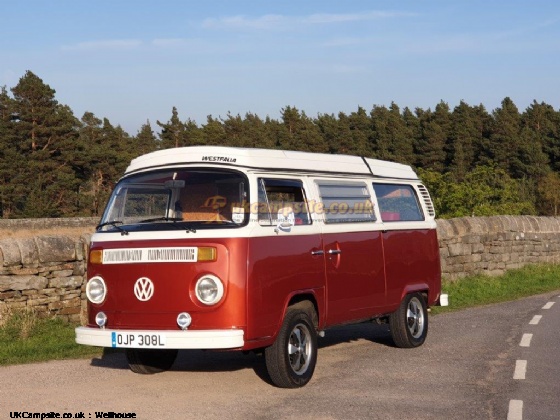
(318, 252)
(334, 251)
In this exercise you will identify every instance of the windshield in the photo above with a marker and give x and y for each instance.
(177, 199)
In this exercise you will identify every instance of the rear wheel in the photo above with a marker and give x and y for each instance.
(291, 360)
(148, 361)
(409, 323)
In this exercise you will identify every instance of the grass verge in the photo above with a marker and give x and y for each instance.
(514, 284)
(25, 338)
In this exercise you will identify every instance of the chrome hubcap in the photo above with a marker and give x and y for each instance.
(415, 318)
(299, 349)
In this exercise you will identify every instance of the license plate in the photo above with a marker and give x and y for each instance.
(137, 340)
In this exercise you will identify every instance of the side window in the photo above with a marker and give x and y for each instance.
(398, 203)
(346, 202)
(282, 198)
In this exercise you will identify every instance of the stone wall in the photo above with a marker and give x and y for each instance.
(492, 245)
(22, 225)
(46, 272)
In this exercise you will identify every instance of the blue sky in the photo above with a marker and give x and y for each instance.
(132, 61)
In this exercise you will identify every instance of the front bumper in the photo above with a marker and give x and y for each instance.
(206, 339)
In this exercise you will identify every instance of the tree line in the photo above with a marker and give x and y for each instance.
(474, 162)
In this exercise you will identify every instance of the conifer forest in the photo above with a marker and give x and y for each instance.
(474, 161)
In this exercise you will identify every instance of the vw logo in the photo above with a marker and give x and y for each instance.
(144, 289)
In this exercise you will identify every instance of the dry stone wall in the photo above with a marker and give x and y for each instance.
(492, 245)
(26, 225)
(46, 273)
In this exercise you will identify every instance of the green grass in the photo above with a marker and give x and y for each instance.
(24, 338)
(514, 284)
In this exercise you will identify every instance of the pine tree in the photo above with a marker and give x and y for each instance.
(380, 140)
(145, 141)
(172, 132)
(433, 133)
(193, 134)
(302, 133)
(464, 140)
(505, 140)
(46, 134)
(544, 121)
(234, 131)
(392, 137)
(108, 150)
(359, 123)
(257, 133)
(330, 127)
(12, 181)
(532, 161)
(213, 132)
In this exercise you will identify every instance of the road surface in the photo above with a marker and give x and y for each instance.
(477, 363)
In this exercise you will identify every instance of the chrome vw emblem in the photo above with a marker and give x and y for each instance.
(144, 289)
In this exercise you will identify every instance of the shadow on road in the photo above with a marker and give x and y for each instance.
(224, 361)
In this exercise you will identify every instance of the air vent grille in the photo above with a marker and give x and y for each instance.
(427, 200)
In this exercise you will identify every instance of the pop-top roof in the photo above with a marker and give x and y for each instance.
(268, 159)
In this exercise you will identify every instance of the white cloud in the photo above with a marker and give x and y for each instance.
(326, 18)
(282, 22)
(243, 22)
(111, 44)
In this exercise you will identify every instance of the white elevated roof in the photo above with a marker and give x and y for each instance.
(269, 159)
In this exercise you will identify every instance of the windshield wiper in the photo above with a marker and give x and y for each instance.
(115, 224)
(170, 219)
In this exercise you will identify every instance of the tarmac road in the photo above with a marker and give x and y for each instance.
(465, 370)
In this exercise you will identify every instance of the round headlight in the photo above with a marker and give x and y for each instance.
(209, 289)
(96, 290)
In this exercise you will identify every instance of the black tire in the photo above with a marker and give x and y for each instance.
(409, 323)
(148, 361)
(291, 360)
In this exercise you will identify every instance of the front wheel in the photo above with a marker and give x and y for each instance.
(291, 360)
(148, 361)
(409, 323)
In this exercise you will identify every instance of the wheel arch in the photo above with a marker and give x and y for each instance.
(302, 299)
(291, 358)
(421, 288)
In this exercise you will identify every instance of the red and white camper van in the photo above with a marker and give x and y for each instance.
(250, 249)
